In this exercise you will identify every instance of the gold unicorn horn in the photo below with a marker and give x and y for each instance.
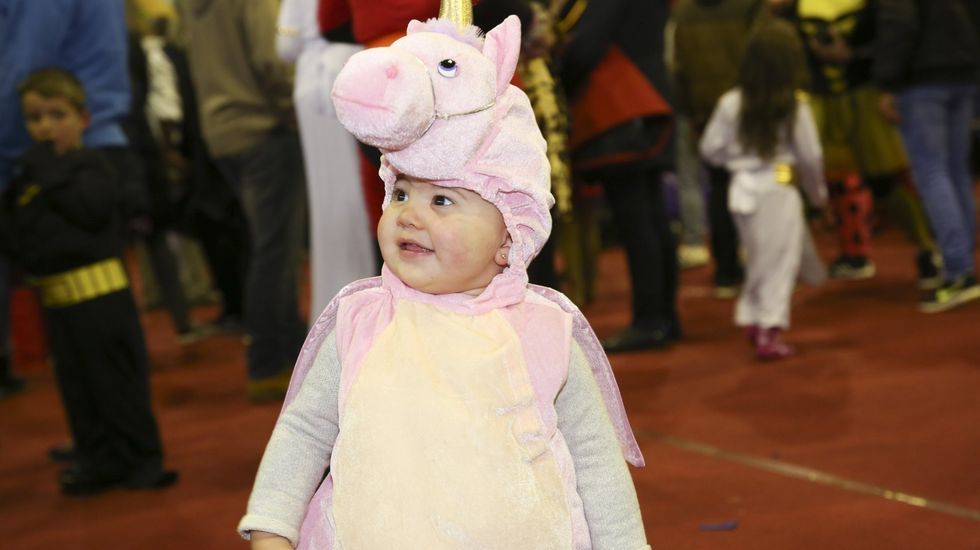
(457, 11)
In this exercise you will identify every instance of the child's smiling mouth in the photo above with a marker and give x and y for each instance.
(413, 247)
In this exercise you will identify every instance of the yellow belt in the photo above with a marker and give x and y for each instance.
(82, 284)
(784, 173)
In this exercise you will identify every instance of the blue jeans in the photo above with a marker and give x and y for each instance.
(936, 130)
(269, 181)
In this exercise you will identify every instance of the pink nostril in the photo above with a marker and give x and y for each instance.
(391, 72)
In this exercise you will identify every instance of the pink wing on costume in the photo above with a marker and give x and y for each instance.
(583, 334)
(323, 326)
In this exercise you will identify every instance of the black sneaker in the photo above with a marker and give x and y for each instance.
(637, 339)
(851, 268)
(77, 481)
(63, 453)
(928, 265)
(195, 333)
(229, 322)
(158, 479)
(11, 385)
(950, 294)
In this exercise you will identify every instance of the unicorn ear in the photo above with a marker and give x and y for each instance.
(415, 26)
(503, 46)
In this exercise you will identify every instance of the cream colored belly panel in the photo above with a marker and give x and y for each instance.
(428, 455)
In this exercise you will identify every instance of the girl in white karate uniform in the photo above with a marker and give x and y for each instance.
(341, 238)
(763, 132)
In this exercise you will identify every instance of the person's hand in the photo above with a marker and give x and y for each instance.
(268, 541)
(886, 105)
(835, 50)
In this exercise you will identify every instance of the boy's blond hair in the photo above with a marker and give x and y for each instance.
(53, 82)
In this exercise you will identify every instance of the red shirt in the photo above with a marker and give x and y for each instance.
(374, 19)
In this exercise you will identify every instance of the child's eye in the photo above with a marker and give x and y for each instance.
(399, 195)
(442, 200)
(448, 68)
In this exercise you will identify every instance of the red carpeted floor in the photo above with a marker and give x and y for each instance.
(869, 439)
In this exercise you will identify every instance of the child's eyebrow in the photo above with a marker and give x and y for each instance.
(458, 191)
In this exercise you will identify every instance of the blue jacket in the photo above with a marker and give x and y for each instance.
(86, 37)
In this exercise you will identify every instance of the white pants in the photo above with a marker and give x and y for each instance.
(341, 249)
(774, 236)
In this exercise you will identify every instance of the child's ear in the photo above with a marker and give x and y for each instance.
(503, 253)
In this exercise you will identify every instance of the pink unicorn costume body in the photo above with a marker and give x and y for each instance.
(451, 421)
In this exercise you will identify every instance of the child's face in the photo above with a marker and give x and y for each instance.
(442, 240)
(54, 119)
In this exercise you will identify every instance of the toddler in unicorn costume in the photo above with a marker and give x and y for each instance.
(454, 405)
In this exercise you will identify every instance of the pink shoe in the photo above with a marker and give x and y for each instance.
(769, 345)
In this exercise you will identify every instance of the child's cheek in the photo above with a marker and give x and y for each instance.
(451, 244)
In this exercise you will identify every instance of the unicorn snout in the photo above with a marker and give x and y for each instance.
(384, 97)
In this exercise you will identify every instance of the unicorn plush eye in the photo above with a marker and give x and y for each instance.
(448, 68)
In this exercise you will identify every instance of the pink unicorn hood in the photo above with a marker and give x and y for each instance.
(440, 106)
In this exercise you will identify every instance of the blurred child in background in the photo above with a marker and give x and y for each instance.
(763, 132)
(60, 222)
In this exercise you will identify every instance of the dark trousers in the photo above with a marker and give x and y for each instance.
(724, 236)
(225, 243)
(165, 268)
(103, 374)
(636, 199)
(269, 180)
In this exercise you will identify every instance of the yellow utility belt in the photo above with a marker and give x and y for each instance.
(783, 173)
(82, 284)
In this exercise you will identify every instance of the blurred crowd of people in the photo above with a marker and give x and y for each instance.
(688, 125)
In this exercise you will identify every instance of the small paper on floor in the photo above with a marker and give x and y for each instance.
(719, 526)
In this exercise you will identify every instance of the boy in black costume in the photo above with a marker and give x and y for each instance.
(60, 223)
